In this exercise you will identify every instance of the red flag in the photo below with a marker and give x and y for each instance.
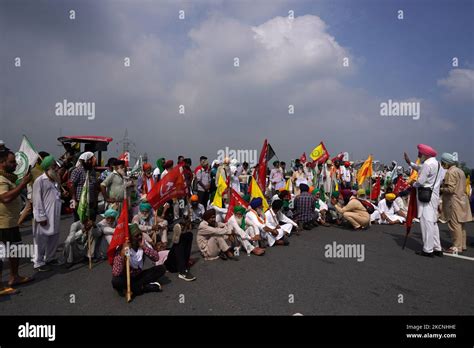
(121, 232)
(400, 186)
(171, 186)
(125, 157)
(235, 199)
(412, 210)
(303, 157)
(260, 173)
(375, 190)
(339, 157)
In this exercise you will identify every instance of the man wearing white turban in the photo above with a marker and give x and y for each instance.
(455, 203)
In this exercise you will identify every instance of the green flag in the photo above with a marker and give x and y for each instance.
(83, 208)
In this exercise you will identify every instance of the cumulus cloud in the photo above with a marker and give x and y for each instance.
(459, 85)
(191, 63)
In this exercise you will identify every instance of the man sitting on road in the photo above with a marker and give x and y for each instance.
(255, 218)
(155, 233)
(245, 235)
(355, 213)
(104, 232)
(304, 208)
(76, 246)
(275, 219)
(210, 238)
(141, 281)
(320, 207)
(388, 212)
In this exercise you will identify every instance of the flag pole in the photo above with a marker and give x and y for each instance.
(370, 180)
(89, 248)
(127, 253)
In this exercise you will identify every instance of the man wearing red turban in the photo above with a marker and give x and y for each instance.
(145, 182)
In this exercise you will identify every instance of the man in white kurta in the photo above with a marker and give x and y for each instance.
(47, 215)
(255, 218)
(431, 176)
(246, 237)
(277, 178)
(274, 217)
(104, 232)
(388, 211)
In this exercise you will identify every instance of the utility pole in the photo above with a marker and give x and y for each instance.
(127, 144)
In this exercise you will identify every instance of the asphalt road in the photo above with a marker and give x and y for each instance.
(287, 280)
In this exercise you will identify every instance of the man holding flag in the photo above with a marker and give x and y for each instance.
(84, 169)
(141, 281)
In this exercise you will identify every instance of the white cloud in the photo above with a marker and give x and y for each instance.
(459, 85)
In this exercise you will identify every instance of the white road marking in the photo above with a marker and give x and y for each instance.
(460, 256)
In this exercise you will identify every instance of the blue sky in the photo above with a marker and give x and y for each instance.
(190, 62)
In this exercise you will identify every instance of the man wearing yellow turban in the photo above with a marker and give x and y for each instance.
(388, 212)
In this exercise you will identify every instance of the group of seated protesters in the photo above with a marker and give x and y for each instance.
(252, 230)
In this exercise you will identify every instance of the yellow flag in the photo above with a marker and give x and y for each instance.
(288, 185)
(255, 192)
(365, 171)
(318, 152)
(414, 173)
(468, 185)
(221, 187)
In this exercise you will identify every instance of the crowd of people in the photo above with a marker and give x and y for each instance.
(305, 196)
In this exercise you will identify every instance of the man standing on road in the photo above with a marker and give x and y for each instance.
(10, 205)
(203, 181)
(113, 187)
(430, 176)
(455, 203)
(47, 215)
(85, 165)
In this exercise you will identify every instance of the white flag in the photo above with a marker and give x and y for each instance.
(25, 157)
(138, 165)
